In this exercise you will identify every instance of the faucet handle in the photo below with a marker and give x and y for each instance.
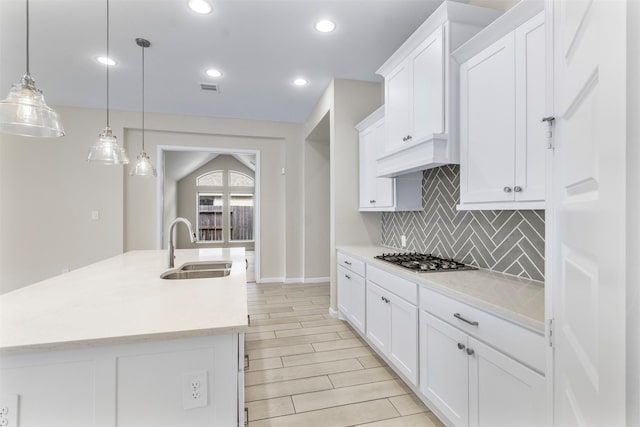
(194, 238)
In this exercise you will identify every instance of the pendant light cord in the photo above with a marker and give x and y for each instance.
(108, 58)
(27, 37)
(142, 98)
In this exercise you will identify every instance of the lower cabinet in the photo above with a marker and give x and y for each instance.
(473, 384)
(351, 297)
(392, 327)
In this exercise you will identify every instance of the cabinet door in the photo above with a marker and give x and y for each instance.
(397, 107)
(444, 376)
(530, 98)
(487, 130)
(378, 317)
(503, 392)
(427, 87)
(367, 165)
(403, 348)
(384, 187)
(357, 300)
(344, 293)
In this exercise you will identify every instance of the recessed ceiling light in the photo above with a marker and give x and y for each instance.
(300, 82)
(203, 7)
(106, 60)
(325, 26)
(213, 73)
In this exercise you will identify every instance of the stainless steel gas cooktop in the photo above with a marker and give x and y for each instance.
(423, 263)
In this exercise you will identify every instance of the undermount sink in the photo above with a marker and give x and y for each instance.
(206, 265)
(199, 270)
(194, 274)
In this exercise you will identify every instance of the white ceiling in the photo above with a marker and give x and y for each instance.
(259, 45)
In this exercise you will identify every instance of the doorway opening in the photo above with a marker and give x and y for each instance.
(218, 191)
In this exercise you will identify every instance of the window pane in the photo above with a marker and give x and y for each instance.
(238, 179)
(241, 216)
(210, 217)
(213, 179)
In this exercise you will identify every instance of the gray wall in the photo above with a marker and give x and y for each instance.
(187, 200)
(505, 241)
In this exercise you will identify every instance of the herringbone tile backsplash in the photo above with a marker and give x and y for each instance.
(506, 241)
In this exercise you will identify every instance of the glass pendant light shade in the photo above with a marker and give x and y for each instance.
(107, 151)
(24, 111)
(143, 166)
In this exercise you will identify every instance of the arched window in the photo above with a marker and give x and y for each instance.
(239, 179)
(211, 179)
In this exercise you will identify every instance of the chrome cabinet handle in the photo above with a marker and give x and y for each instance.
(549, 119)
(347, 276)
(470, 352)
(385, 299)
(459, 316)
(404, 139)
(246, 361)
(347, 262)
(372, 201)
(409, 137)
(517, 189)
(461, 346)
(507, 189)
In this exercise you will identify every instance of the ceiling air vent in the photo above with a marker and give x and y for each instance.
(210, 87)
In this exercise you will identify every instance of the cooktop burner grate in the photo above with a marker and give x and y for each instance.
(423, 263)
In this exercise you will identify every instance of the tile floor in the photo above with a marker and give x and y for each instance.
(308, 369)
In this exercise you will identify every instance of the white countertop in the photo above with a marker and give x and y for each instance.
(123, 299)
(518, 300)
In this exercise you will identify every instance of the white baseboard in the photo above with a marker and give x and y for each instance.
(271, 280)
(334, 313)
(307, 280)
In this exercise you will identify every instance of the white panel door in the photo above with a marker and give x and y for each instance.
(357, 300)
(487, 114)
(344, 292)
(397, 107)
(427, 87)
(588, 212)
(403, 349)
(378, 317)
(444, 376)
(503, 392)
(531, 104)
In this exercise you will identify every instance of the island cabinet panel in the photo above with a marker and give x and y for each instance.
(128, 385)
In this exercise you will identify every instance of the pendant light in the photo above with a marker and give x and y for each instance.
(106, 150)
(143, 166)
(24, 112)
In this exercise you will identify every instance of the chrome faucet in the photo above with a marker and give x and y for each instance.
(192, 236)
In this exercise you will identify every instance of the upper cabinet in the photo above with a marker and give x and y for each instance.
(502, 102)
(421, 91)
(383, 194)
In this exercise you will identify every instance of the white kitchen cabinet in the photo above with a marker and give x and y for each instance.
(479, 383)
(392, 324)
(383, 194)
(421, 89)
(502, 102)
(351, 291)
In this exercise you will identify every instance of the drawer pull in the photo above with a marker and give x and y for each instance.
(470, 352)
(347, 262)
(246, 361)
(385, 299)
(461, 346)
(347, 276)
(458, 316)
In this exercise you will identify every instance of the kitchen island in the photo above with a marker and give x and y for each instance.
(114, 344)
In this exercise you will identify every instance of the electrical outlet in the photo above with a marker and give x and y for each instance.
(195, 390)
(403, 241)
(9, 410)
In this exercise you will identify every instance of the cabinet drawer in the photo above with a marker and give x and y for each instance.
(353, 264)
(522, 344)
(392, 283)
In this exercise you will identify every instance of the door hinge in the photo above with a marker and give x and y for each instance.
(550, 120)
(551, 333)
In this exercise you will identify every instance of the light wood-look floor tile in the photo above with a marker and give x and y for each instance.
(308, 369)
